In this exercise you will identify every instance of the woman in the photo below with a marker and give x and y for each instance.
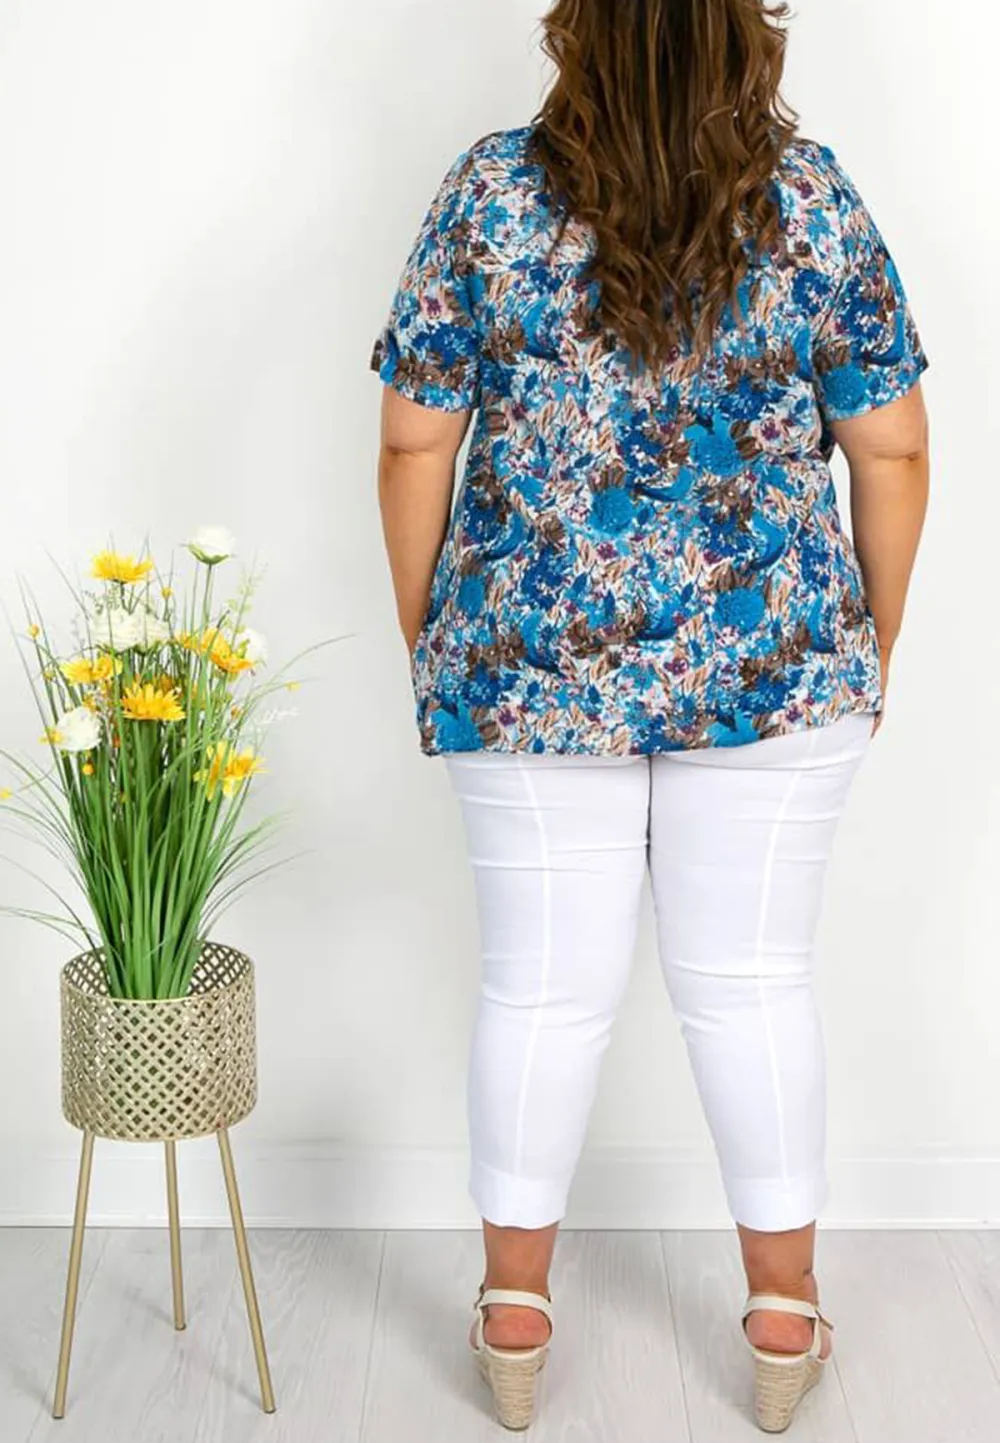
(643, 637)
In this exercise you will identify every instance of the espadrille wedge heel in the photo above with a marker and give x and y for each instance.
(512, 1373)
(781, 1379)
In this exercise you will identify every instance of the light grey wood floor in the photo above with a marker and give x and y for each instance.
(366, 1333)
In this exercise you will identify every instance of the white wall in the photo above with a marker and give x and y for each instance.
(205, 210)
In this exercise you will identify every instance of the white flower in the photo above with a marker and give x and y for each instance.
(114, 629)
(151, 630)
(211, 544)
(78, 730)
(256, 645)
(117, 629)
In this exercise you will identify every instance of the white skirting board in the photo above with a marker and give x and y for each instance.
(322, 1185)
(326, 1186)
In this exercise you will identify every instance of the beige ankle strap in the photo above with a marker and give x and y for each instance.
(507, 1295)
(778, 1303)
(516, 1296)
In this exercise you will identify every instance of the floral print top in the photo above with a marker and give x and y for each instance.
(639, 564)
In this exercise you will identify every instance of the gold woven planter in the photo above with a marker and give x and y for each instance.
(159, 1071)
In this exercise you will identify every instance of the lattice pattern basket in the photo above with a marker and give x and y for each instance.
(159, 1071)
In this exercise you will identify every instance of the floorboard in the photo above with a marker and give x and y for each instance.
(317, 1293)
(367, 1339)
(912, 1361)
(133, 1375)
(33, 1264)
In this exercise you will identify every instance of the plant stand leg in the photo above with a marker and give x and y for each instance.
(73, 1278)
(246, 1273)
(173, 1212)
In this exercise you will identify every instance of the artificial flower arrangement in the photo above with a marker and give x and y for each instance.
(153, 726)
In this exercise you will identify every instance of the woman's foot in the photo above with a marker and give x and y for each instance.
(507, 1325)
(787, 1332)
(519, 1258)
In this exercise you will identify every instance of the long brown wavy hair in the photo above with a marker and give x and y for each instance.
(663, 130)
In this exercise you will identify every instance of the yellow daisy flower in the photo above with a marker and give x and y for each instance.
(84, 671)
(241, 767)
(34, 630)
(149, 703)
(212, 775)
(193, 642)
(230, 661)
(5, 794)
(219, 651)
(88, 769)
(111, 566)
(53, 735)
(228, 768)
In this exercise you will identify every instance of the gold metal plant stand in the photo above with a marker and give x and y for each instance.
(158, 1072)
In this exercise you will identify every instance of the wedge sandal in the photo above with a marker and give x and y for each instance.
(782, 1379)
(512, 1373)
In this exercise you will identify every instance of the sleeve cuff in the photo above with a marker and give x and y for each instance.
(854, 390)
(409, 376)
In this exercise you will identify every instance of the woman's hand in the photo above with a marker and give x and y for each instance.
(884, 657)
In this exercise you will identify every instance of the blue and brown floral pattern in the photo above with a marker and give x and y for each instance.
(635, 563)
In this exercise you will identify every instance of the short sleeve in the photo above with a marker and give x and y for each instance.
(867, 351)
(429, 348)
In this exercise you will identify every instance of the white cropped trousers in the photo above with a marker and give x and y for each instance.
(737, 841)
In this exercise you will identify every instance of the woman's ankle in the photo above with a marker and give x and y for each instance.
(776, 1331)
(507, 1326)
(779, 1332)
(798, 1285)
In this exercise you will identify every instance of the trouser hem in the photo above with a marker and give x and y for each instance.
(765, 1205)
(509, 1201)
(770, 1205)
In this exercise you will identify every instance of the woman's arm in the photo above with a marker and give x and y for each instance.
(888, 454)
(416, 479)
